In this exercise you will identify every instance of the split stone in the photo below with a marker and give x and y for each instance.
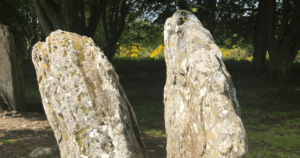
(84, 102)
(202, 114)
(12, 92)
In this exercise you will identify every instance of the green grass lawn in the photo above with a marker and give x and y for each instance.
(270, 111)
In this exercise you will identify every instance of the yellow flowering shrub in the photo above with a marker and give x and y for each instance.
(156, 51)
(250, 58)
(134, 51)
(226, 53)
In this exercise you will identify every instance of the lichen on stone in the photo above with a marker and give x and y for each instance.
(82, 93)
(196, 94)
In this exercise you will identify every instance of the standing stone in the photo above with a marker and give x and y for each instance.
(84, 102)
(202, 114)
(11, 73)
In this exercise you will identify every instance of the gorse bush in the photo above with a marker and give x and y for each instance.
(136, 50)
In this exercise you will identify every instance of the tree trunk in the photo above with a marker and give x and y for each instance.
(67, 15)
(211, 21)
(283, 50)
(260, 38)
(110, 49)
(113, 26)
(207, 14)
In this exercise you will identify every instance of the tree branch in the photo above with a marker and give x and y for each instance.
(46, 24)
(96, 8)
(284, 20)
(124, 12)
(52, 12)
(104, 23)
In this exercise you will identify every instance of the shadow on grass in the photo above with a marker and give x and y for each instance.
(270, 110)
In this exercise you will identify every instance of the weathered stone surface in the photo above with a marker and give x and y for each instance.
(43, 151)
(202, 114)
(83, 99)
(11, 73)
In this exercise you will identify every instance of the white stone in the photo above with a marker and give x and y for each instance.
(202, 114)
(81, 93)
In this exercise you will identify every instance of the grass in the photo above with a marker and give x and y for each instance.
(270, 133)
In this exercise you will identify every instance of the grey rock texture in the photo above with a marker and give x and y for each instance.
(11, 73)
(43, 151)
(202, 114)
(84, 102)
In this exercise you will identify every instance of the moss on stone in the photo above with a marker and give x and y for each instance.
(82, 108)
(65, 53)
(90, 85)
(99, 79)
(73, 73)
(79, 138)
(77, 126)
(94, 104)
(61, 116)
(79, 97)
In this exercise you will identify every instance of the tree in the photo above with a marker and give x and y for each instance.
(83, 17)
(207, 13)
(284, 45)
(21, 18)
(68, 15)
(260, 37)
(115, 16)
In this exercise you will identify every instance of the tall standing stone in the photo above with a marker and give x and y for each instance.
(11, 73)
(202, 114)
(83, 99)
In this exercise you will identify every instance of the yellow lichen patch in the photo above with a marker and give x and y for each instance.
(45, 52)
(48, 105)
(170, 45)
(44, 65)
(49, 64)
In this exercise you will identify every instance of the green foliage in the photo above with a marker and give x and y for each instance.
(141, 32)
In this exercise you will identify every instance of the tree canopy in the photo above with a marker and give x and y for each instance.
(263, 26)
